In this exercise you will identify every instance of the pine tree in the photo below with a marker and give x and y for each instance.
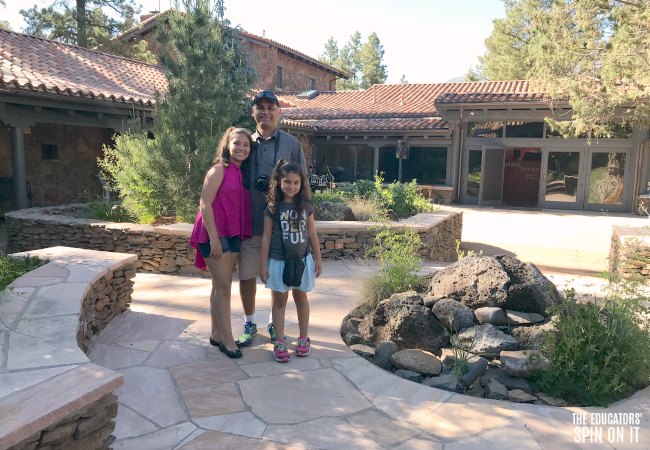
(208, 79)
(593, 53)
(370, 58)
(361, 60)
(506, 56)
(80, 22)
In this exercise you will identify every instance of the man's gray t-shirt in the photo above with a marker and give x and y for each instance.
(262, 162)
(291, 227)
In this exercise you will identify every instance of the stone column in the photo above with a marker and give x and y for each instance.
(375, 160)
(20, 176)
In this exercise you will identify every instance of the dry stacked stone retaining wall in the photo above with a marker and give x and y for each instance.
(89, 428)
(107, 298)
(629, 254)
(165, 249)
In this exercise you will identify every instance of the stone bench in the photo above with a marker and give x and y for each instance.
(51, 396)
(165, 249)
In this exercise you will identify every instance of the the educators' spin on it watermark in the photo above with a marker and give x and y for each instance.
(606, 427)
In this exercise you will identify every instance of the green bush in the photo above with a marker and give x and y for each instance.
(601, 352)
(327, 195)
(361, 188)
(399, 261)
(11, 268)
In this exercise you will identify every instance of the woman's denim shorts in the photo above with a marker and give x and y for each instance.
(228, 244)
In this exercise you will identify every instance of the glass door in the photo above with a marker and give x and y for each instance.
(562, 184)
(472, 185)
(606, 187)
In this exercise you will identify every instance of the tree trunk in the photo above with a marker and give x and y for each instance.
(82, 30)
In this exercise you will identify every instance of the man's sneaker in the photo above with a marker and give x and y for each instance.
(303, 347)
(280, 351)
(246, 338)
(272, 332)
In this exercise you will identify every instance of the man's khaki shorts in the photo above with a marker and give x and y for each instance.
(249, 258)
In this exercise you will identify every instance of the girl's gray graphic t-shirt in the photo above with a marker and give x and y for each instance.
(291, 227)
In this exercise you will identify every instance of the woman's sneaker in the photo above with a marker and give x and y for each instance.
(246, 338)
(303, 347)
(280, 351)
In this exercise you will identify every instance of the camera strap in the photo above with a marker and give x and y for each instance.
(275, 153)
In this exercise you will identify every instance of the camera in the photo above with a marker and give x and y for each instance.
(262, 183)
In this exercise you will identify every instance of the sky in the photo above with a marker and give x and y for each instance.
(427, 41)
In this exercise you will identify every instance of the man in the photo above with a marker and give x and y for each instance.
(270, 146)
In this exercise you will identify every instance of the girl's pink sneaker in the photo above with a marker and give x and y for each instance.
(280, 351)
(303, 347)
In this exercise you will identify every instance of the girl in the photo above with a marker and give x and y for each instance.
(289, 232)
(223, 221)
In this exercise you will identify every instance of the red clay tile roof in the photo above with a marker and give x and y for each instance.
(407, 106)
(29, 63)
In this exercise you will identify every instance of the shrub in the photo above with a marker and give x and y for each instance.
(366, 209)
(103, 210)
(327, 195)
(362, 188)
(601, 352)
(11, 268)
(402, 200)
(398, 259)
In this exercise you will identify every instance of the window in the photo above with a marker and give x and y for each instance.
(524, 129)
(311, 83)
(485, 129)
(278, 77)
(49, 152)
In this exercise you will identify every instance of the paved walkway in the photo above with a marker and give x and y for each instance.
(180, 392)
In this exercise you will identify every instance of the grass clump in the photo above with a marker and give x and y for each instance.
(601, 351)
(104, 210)
(366, 209)
(399, 261)
(12, 268)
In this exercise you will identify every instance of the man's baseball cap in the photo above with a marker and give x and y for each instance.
(268, 95)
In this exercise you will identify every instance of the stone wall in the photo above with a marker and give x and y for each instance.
(106, 299)
(89, 428)
(71, 408)
(629, 253)
(165, 249)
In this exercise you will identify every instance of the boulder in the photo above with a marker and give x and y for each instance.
(522, 318)
(404, 320)
(523, 363)
(506, 380)
(495, 390)
(447, 382)
(453, 315)
(498, 281)
(532, 337)
(485, 340)
(491, 314)
(417, 361)
(409, 375)
(383, 353)
(333, 211)
(363, 351)
(519, 396)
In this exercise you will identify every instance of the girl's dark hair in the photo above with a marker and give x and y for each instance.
(274, 196)
(222, 154)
